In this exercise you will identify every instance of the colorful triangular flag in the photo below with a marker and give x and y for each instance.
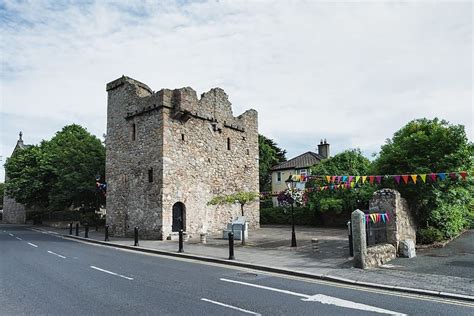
(397, 179)
(379, 179)
(442, 175)
(364, 178)
(405, 178)
(463, 175)
(413, 177)
(423, 177)
(371, 179)
(433, 177)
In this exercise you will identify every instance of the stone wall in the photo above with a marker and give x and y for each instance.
(379, 254)
(13, 212)
(368, 257)
(194, 149)
(401, 224)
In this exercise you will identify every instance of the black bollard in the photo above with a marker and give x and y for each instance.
(77, 229)
(136, 236)
(86, 232)
(231, 246)
(180, 241)
(70, 228)
(106, 233)
(351, 246)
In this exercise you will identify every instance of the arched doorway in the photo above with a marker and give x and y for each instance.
(179, 217)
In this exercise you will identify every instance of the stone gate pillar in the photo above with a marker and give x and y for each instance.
(359, 239)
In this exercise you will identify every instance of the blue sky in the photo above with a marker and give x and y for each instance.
(350, 72)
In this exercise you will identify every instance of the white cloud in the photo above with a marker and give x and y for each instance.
(353, 73)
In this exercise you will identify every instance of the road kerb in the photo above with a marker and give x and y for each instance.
(278, 270)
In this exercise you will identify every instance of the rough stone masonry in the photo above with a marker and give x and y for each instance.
(169, 153)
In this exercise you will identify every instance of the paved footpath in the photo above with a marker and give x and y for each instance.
(267, 249)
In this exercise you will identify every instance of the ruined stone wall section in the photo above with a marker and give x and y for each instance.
(13, 212)
(185, 141)
(401, 225)
(201, 166)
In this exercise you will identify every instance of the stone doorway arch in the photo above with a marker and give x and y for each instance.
(179, 217)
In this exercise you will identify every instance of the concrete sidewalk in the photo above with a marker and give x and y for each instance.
(268, 249)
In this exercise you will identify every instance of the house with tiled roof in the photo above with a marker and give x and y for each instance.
(300, 165)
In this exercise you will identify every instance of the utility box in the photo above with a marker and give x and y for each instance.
(237, 226)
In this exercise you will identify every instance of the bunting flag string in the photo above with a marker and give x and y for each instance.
(405, 178)
(350, 182)
(377, 218)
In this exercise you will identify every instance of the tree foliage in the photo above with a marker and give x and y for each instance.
(269, 155)
(58, 173)
(424, 146)
(240, 197)
(349, 162)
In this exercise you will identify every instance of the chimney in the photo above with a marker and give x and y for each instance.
(323, 148)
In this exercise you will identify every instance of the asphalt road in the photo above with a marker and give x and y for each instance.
(44, 274)
(455, 259)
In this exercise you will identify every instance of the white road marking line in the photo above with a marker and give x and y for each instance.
(267, 288)
(53, 253)
(18, 238)
(52, 232)
(323, 299)
(32, 245)
(230, 306)
(11, 234)
(110, 272)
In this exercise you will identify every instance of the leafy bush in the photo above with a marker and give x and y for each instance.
(443, 208)
(429, 235)
(282, 216)
(65, 216)
(268, 203)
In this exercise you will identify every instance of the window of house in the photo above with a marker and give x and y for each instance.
(303, 172)
(134, 131)
(278, 176)
(182, 137)
(228, 143)
(248, 152)
(150, 175)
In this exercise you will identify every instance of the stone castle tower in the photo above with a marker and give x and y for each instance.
(169, 153)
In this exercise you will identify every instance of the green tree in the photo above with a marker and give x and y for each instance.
(59, 173)
(240, 197)
(424, 146)
(269, 155)
(349, 162)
